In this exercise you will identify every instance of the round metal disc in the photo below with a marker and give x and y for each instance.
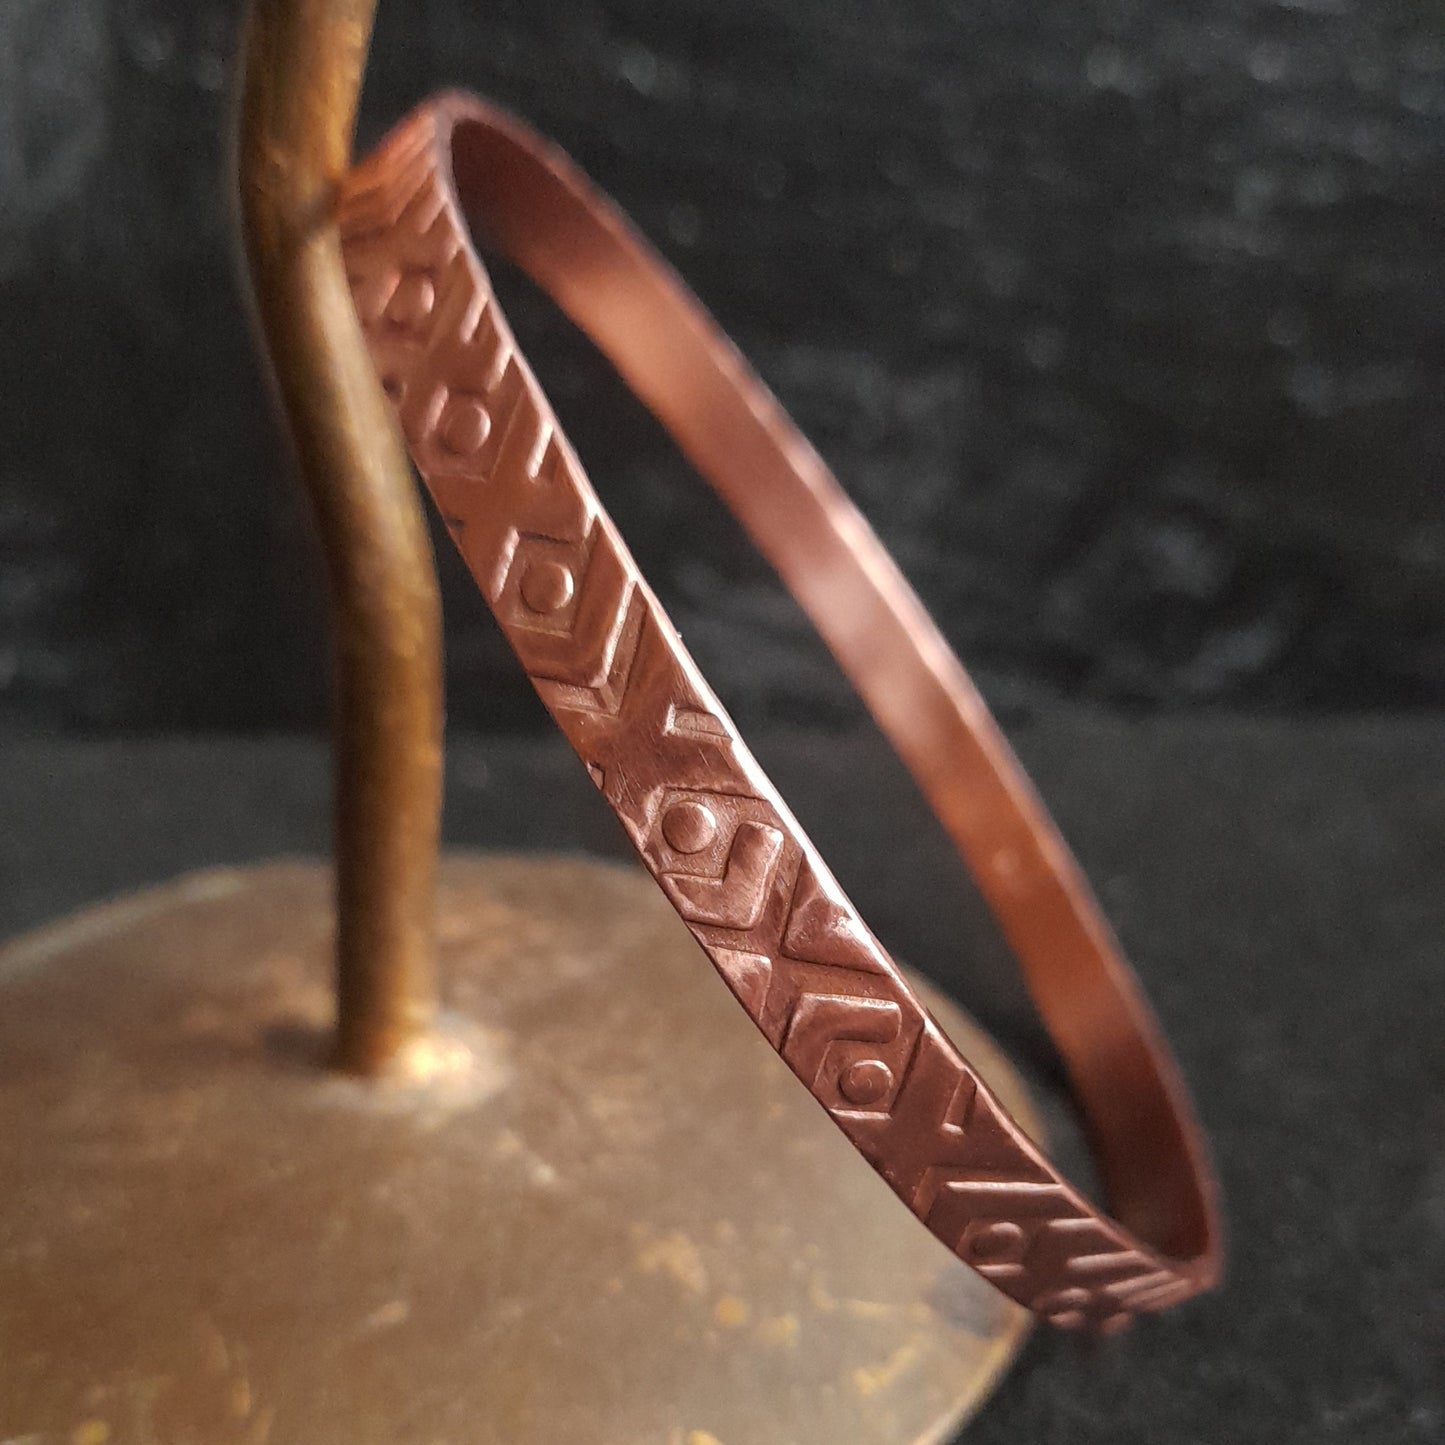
(605, 1213)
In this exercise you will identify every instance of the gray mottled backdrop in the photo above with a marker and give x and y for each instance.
(1121, 318)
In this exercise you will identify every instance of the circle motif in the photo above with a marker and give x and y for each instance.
(1000, 1241)
(866, 1082)
(412, 301)
(689, 826)
(464, 425)
(547, 586)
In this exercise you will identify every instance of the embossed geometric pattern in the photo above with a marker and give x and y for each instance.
(700, 812)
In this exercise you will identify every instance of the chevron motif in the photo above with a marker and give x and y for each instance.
(736, 897)
(747, 974)
(659, 745)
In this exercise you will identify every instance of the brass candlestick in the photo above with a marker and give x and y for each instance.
(257, 1186)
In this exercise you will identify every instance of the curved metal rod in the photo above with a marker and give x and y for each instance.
(303, 63)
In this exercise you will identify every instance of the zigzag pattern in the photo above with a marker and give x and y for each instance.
(656, 741)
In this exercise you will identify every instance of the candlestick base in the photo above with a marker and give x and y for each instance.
(597, 1209)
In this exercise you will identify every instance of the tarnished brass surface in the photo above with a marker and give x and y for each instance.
(303, 62)
(608, 1216)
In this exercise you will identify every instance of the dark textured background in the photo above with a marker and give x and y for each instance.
(1122, 321)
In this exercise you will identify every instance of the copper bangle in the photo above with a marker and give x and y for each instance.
(707, 823)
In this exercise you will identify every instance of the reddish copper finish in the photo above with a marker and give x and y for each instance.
(705, 820)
